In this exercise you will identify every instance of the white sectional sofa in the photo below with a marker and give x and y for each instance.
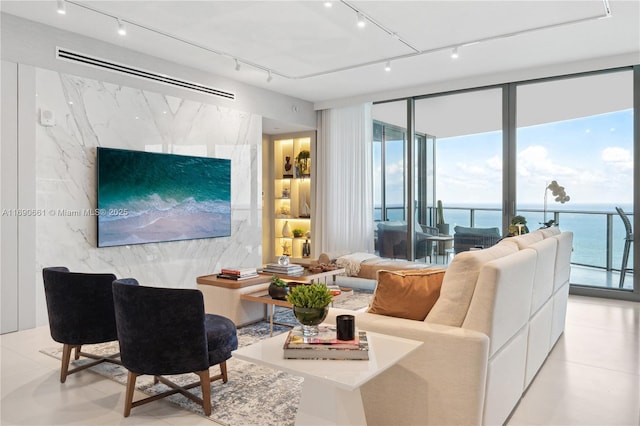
(499, 313)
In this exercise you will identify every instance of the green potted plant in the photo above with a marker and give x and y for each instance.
(278, 288)
(298, 232)
(518, 225)
(443, 227)
(310, 306)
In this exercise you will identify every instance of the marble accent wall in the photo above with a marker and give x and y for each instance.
(90, 113)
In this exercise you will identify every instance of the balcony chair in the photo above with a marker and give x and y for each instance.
(164, 331)
(628, 241)
(392, 240)
(464, 238)
(80, 308)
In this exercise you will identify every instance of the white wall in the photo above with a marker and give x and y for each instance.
(90, 113)
(54, 167)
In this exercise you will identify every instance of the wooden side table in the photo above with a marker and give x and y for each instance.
(223, 297)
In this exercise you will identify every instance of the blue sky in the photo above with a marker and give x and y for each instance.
(591, 157)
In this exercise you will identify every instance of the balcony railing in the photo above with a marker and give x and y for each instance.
(598, 235)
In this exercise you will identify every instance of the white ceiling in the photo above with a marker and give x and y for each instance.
(318, 54)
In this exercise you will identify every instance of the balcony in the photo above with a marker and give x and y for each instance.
(598, 238)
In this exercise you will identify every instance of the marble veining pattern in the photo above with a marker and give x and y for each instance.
(90, 113)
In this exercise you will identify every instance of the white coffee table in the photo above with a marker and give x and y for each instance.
(331, 388)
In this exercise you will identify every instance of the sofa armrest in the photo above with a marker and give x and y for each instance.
(442, 382)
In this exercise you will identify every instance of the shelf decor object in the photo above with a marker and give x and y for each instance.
(291, 197)
(286, 230)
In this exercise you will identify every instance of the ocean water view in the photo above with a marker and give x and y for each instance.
(588, 222)
(148, 197)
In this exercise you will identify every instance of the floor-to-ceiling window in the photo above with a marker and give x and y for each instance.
(578, 132)
(388, 172)
(557, 151)
(468, 172)
(390, 157)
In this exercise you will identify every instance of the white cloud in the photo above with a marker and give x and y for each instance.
(618, 157)
(534, 161)
(495, 163)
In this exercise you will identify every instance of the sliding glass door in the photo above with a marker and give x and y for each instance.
(554, 152)
(578, 132)
(395, 236)
(468, 172)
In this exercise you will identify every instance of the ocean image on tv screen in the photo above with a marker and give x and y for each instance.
(146, 197)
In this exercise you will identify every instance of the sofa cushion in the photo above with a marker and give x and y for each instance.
(545, 270)
(525, 240)
(459, 283)
(549, 232)
(406, 294)
(330, 256)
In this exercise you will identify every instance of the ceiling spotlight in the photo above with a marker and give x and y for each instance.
(237, 65)
(361, 20)
(122, 30)
(387, 66)
(454, 53)
(62, 7)
(328, 4)
(269, 76)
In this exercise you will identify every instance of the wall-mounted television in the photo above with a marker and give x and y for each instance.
(148, 197)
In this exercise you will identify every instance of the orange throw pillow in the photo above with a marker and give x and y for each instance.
(407, 294)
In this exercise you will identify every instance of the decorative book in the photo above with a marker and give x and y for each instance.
(240, 272)
(294, 270)
(237, 277)
(325, 345)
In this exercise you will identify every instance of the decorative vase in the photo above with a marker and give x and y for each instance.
(306, 249)
(286, 231)
(309, 318)
(277, 292)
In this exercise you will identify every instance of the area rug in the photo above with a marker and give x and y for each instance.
(253, 395)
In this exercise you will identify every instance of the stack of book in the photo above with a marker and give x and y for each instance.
(325, 345)
(238, 273)
(293, 270)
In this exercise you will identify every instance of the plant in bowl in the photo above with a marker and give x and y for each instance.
(278, 288)
(298, 232)
(310, 306)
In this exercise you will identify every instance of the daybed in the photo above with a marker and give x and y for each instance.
(367, 265)
(499, 312)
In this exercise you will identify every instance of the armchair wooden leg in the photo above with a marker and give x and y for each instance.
(205, 384)
(77, 352)
(66, 358)
(131, 387)
(223, 371)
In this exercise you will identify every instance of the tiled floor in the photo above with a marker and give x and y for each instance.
(592, 377)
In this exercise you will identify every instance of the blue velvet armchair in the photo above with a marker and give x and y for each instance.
(165, 331)
(80, 309)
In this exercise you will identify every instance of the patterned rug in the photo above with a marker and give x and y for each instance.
(253, 395)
